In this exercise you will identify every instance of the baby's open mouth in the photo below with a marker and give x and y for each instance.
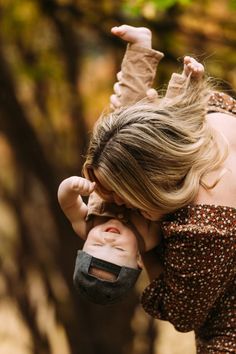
(113, 230)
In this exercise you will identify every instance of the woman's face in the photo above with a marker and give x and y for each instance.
(106, 192)
(113, 241)
(110, 196)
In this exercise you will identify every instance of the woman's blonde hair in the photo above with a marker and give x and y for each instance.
(154, 155)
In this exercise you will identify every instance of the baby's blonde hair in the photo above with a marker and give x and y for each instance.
(154, 156)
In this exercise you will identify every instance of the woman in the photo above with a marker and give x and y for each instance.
(175, 161)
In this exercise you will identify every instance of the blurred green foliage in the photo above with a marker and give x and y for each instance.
(139, 6)
(232, 4)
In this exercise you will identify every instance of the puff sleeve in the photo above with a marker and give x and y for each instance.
(199, 265)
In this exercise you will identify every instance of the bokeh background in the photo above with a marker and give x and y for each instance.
(58, 62)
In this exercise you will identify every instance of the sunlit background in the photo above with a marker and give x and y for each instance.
(58, 62)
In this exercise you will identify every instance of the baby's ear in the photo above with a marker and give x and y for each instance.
(139, 261)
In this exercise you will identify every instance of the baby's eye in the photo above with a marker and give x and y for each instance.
(119, 248)
(97, 244)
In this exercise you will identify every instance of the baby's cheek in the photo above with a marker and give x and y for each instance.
(93, 232)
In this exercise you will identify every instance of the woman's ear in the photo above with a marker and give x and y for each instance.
(139, 261)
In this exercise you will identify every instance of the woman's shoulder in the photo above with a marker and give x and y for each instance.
(225, 124)
(224, 191)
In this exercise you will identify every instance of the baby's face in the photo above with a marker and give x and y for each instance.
(113, 242)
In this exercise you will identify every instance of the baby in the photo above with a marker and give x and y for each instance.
(111, 253)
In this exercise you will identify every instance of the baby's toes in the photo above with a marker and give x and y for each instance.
(187, 60)
(197, 69)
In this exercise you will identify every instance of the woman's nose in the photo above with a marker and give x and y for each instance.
(118, 200)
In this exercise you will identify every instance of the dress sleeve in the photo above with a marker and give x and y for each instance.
(221, 102)
(198, 266)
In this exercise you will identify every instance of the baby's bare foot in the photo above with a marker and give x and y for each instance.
(193, 67)
(137, 35)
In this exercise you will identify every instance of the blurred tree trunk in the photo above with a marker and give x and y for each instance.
(48, 141)
(94, 321)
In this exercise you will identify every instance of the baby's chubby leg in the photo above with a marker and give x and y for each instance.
(193, 67)
(141, 36)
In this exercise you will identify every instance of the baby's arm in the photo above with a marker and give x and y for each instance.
(69, 197)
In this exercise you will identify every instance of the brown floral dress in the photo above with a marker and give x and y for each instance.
(197, 290)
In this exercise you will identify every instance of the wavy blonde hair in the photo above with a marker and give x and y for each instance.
(154, 155)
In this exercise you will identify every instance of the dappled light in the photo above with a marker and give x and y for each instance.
(58, 65)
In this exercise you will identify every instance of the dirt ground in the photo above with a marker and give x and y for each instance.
(170, 341)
